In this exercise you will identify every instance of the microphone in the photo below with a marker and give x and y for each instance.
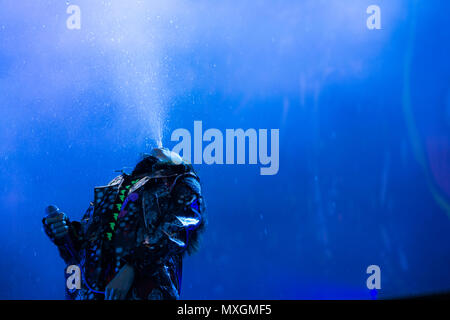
(52, 210)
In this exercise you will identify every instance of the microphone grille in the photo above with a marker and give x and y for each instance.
(51, 209)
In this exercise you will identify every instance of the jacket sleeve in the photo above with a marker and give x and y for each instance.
(177, 230)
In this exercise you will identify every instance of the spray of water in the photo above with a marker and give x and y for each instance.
(131, 34)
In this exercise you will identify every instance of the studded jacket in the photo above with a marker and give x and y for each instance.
(149, 221)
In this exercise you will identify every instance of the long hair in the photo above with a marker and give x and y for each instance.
(149, 164)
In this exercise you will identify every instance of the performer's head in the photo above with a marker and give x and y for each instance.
(165, 155)
(159, 157)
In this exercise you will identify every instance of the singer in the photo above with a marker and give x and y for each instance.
(131, 241)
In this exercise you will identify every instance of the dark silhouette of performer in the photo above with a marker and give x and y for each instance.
(131, 241)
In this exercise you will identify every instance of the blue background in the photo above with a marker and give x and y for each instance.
(364, 119)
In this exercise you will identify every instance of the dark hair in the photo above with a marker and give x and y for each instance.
(150, 164)
(144, 166)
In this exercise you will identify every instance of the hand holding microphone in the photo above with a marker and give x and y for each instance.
(56, 223)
